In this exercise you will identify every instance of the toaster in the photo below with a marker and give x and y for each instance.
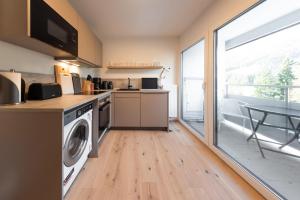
(42, 91)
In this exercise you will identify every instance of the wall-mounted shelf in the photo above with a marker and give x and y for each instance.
(134, 67)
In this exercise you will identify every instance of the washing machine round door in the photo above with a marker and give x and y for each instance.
(76, 142)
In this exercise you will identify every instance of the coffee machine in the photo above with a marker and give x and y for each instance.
(97, 83)
(110, 85)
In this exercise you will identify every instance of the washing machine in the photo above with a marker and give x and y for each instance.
(77, 142)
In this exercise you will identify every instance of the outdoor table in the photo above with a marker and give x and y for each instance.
(266, 111)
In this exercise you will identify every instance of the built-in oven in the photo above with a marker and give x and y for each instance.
(104, 117)
(48, 26)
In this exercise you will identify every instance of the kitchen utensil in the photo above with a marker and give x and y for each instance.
(86, 86)
(89, 78)
(76, 83)
(10, 87)
(60, 70)
(92, 86)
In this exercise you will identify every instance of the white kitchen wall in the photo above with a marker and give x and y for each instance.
(214, 16)
(25, 60)
(143, 50)
(163, 50)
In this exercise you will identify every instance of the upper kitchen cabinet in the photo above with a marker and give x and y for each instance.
(22, 20)
(86, 42)
(51, 27)
(98, 52)
(89, 47)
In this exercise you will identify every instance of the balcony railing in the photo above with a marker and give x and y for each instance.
(286, 94)
(290, 97)
(193, 98)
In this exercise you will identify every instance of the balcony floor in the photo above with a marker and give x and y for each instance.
(277, 170)
(196, 125)
(195, 120)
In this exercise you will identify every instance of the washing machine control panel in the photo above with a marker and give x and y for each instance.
(83, 110)
(77, 112)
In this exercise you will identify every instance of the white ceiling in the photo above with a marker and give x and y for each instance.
(140, 18)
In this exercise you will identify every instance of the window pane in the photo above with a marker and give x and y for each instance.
(258, 80)
(192, 90)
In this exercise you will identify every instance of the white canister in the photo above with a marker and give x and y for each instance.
(10, 88)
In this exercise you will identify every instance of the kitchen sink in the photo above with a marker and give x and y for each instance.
(127, 89)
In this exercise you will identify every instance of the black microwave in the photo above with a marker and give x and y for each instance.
(48, 26)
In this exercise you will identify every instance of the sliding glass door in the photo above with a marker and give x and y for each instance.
(192, 79)
(257, 94)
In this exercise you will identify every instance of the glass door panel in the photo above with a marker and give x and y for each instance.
(257, 94)
(192, 76)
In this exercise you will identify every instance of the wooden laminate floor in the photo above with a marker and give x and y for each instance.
(157, 165)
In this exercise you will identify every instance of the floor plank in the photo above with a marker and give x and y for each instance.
(156, 165)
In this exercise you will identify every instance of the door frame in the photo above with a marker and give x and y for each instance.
(204, 137)
(237, 167)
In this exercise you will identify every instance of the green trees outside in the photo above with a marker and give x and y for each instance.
(277, 83)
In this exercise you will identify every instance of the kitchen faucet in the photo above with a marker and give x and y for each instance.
(129, 84)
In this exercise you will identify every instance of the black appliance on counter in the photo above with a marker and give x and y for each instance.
(42, 91)
(104, 85)
(110, 85)
(48, 26)
(97, 83)
(149, 83)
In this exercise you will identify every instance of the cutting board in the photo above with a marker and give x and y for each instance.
(66, 84)
(64, 78)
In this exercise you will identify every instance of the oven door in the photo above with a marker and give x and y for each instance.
(76, 142)
(104, 118)
(48, 26)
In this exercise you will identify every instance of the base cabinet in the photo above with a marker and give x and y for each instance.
(140, 110)
(154, 110)
(127, 111)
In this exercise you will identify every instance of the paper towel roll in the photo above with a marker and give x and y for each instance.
(10, 88)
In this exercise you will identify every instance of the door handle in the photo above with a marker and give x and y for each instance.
(204, 86)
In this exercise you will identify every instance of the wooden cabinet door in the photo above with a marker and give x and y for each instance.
(154, 110)
(98, 52)
(86, 42)
(127, 112)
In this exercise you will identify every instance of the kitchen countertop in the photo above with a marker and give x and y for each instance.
(60, 104)
(67, 102)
